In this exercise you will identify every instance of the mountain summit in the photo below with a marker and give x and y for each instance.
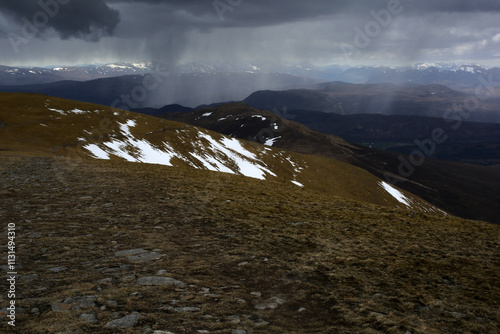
(125, 223)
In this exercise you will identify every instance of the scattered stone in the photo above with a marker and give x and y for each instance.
(144, 257)
(202, 331)
(125, 322)
(277, 300)
(159, 280)
(86, 198)
(105, 280)
(302, 309)
(230, 287)
(57, 269)
(260, 322)
(82, 302)
(265, 306)
(128, 278)
(90, 318)
(378, 314)
(162, 332)
(457, 315)
(130, 252)
(238, 331)
(298, 223)
(112, 303)
(256, 294)
(187, 309)
(166, 308)
(242, 264)
(60, 307)
(34, 235)
(35, 310)
(162, 272)
(234, 319)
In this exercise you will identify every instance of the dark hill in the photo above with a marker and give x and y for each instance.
(142, 91)
(386, 99)
(471, 142)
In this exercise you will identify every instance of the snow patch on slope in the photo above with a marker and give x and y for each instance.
(271, 141)
(132, 149)
(398, 195)
(230, 149)
(227, 155)
(58, 111)
(298, 184)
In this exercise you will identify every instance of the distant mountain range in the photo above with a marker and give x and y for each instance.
(146, 90)
(41, 75)
(195, 84)
(386, 99)
(456, 76)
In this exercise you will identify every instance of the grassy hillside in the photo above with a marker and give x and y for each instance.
(114, 246)
(244, 254)
(37, 123)
(469, 191)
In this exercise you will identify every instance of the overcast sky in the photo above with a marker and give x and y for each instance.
(320, 32)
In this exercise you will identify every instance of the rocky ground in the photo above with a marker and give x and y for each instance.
(109, 247)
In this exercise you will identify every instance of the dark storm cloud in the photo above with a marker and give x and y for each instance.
(85, 19)
(270, 12)
(265, 31)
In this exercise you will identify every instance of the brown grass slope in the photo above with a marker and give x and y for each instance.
(263, 257)
(32, 125)
(466, 190)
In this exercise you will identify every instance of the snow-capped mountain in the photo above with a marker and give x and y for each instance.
(358, 74)
(38, 75)
(455, 76)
